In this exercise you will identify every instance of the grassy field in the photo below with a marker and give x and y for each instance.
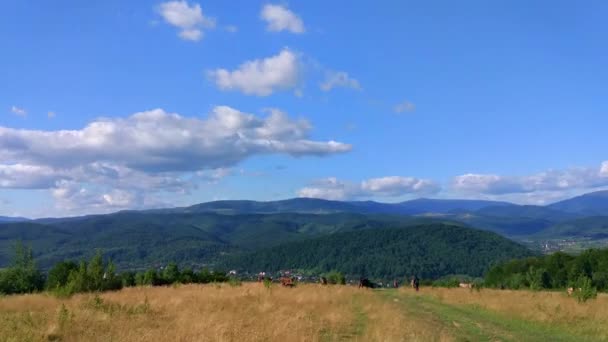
(252, 312)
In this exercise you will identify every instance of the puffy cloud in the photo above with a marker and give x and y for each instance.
(280, 18)
(552, 180)
(22, 176)
(18, 111)
(159, 141)
(124, 162)
(397, 186)
(334, 79)
(392, 186)
(261, 77)
(189, 18)
(404, 106)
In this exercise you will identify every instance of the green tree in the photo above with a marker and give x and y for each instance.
(537, 278)
(22, 276)
(335, 277)
(584, 290)
(60, 273)
(171, 274)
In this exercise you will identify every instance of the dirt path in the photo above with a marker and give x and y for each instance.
(472, 323)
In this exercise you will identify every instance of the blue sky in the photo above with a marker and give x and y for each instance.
(387, 100)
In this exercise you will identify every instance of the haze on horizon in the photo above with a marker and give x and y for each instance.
(118, 105)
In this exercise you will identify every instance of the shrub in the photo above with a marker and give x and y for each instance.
(584, 290)
(234, 282)
(268, 283)
(335, 277)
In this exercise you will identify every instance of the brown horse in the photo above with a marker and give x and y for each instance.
(287, 281)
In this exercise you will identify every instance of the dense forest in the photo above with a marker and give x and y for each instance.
(555, 271)
(139, 240)
(429, 251)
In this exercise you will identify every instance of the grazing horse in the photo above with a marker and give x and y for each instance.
(466, 285)
(415, 283)
(364, 282)
(287, 281)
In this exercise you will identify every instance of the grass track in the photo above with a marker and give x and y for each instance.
(472, 323)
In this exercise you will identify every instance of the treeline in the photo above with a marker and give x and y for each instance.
(555, 271)
(68, 277)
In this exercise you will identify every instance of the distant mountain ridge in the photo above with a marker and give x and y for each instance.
(591, 204)
(322, 206)
(12, 219)
(201, 233)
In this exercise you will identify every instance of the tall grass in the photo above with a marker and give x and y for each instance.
(207, 313)
(251, 312)
(552, 307)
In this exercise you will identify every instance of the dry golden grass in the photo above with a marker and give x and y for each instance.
(555, 308)
(253, 313)
(209, 313)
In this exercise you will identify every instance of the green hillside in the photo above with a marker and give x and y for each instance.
(135, 240)
(428, 250)
(590, 227)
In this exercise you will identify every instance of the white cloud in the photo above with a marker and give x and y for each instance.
(22, 176)
(604, 169)
(18, 111)
(280, 18)
(159, 141)
(391, 186)
(188, 18)
(404, 106)
(397, 186)
(125, 162)
(334, 79)
(552, 180)
(261, 77)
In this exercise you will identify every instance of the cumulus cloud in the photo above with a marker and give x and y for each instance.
(18, 111)
(552, 180)
(159, 141)
(404, 106)
(334, 79)
(280, 18)
(188, 18)
(391, 186)
(261, 77)
(123, 162)
(22, 176)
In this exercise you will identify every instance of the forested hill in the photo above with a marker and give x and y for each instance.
(430, 251)
(135, 240)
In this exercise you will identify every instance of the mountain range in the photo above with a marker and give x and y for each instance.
(214, 232)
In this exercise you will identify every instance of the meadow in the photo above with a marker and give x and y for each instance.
(308, 312)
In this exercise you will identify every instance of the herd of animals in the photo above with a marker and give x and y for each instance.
(290, 281)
